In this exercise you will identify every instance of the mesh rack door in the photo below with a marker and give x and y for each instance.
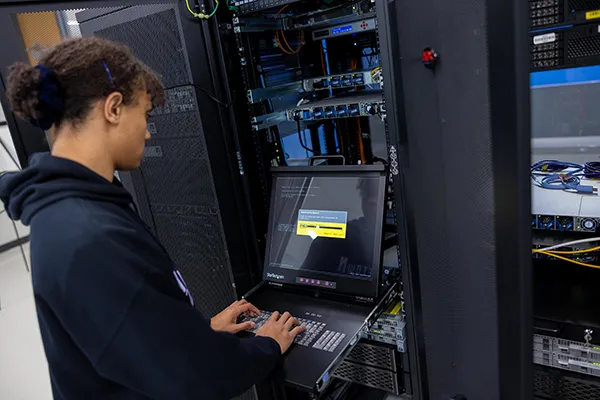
(174, 187)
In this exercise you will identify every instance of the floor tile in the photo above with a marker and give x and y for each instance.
(23, 366)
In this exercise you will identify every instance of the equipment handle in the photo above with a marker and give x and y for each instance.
(335, 157)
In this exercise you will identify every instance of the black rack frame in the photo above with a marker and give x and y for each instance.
(444, 354)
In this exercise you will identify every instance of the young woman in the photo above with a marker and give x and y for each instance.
(116, 319)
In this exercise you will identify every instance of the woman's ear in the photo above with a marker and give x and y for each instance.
(113, 107)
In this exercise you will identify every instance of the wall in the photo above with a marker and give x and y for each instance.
(7, 229)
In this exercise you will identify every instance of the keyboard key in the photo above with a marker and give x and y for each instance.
(315, 335)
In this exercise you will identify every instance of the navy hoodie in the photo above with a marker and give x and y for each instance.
(114, 321)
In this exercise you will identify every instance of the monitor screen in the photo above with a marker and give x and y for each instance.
(325, 229)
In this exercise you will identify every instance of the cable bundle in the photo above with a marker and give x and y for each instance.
(562, 175)
(592, 170)
(561, 255)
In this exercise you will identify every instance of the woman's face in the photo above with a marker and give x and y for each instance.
(133, 132)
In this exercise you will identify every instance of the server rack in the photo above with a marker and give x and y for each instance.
(212, 247)
(564, 345)
(457, 312)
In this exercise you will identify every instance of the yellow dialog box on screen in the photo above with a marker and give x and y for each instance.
(321, 223)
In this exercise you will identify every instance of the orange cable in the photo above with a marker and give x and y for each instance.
(300, 40)
(279, 43)
(323, 61)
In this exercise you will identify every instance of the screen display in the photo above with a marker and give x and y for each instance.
(324, 225)
(341, 29)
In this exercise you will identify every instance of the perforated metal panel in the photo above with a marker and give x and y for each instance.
(584, 5)
(174, 186)
(449, 128)
(552, 385)
(376, 356)
(155, 39)
(582, 45)
(368, 376)
(545, 384)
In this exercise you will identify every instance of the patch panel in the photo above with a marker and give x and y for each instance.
(250, 6)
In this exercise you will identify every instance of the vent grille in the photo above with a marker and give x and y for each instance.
(368, 376)
(583, 5)
(579, 47)
(553, 385)
(377, 356)
(545, 384)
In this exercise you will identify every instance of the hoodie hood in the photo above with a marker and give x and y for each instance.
(50, 179)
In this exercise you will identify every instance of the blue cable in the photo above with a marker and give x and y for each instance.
(560, 175)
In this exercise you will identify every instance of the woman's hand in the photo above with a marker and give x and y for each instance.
(226, 320)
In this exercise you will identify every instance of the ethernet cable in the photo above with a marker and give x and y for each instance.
(232, 8)
(558, 246)
(560, 175)
(567, 259)
(201, 15)
(582, 251)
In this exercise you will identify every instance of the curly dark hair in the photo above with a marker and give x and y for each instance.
(79, 67)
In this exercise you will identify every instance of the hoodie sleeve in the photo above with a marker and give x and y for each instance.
(124, 310)
(164, 349)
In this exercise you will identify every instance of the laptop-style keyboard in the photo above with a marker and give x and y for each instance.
(313, 336)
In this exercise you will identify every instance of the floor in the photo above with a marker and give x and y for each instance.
(23, 368)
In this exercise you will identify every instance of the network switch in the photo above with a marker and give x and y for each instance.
(356, 105)
(339, 81)
(347, 106)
